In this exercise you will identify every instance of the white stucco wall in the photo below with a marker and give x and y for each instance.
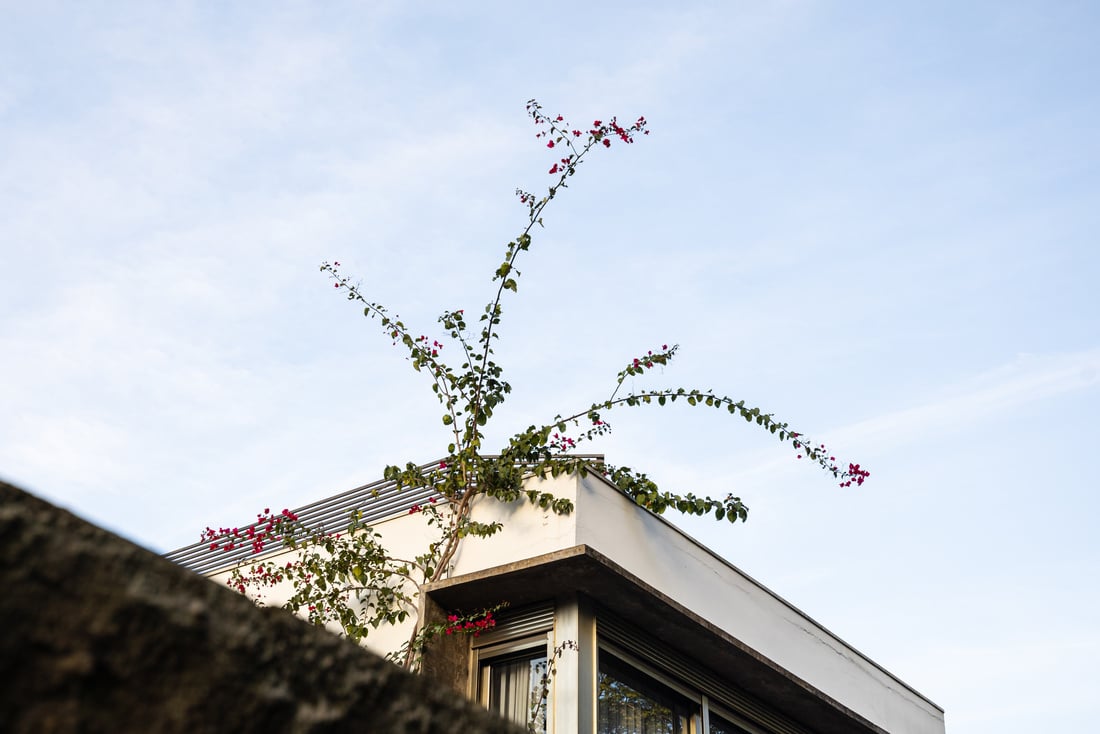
(684, 570)
(528, 530)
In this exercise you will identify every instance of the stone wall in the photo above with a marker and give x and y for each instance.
(99, 635)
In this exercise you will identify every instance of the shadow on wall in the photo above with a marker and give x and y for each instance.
(99, 635)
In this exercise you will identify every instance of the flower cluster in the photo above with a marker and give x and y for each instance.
(474, 625)
(855, 474)
(259, 575)
(561, 443)
(268, 526)
(558, 132)
(422, 345)
(820, 452)
(601, 131)
(649, 360)
(419, 508)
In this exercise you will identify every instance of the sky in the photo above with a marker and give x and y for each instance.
(875, 220)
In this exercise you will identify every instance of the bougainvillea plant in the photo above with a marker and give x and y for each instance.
(349, 580)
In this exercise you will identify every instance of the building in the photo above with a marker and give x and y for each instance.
(663, 634)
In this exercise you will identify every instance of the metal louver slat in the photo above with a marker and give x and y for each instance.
(512, 625)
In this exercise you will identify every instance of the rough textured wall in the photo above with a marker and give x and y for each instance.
(447, 658)
(99, 635)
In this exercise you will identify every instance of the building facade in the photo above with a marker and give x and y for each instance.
(646, 629)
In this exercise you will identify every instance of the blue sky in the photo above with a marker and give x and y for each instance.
(877, 221)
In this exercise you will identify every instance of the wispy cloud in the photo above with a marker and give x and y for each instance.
(1026, 379)
(1029, 378)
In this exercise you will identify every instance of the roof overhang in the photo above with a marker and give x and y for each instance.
(584, 570)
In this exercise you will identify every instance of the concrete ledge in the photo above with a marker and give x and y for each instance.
(587, 571)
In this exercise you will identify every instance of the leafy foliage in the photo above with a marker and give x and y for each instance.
(350, 580)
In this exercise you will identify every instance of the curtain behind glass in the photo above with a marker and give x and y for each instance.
(515, 686)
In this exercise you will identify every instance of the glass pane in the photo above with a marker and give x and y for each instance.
(517, 689)
(718, 725)
(632, 703)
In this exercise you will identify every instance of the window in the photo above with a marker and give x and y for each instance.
(659, 690)
(513, 685)
(630, 702)
(510, 663)
(721, 725)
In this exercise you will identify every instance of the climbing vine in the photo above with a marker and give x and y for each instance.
(348, 580)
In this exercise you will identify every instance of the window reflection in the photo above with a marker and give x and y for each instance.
(630, 702)
(718, 725)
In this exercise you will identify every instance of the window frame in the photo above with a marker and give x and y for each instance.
(528, 628)
(482, 658)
